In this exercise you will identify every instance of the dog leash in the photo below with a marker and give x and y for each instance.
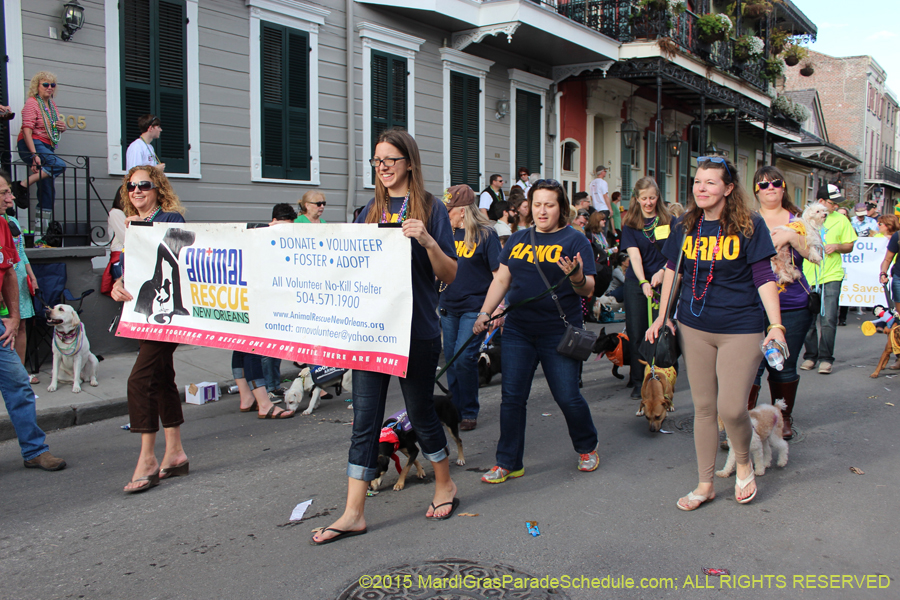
(443, 370)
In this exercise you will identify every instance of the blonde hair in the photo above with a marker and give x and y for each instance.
(165, 195)
(36, 82)
(476, 224)
(634, 218)
(308, 198)
(675, 209)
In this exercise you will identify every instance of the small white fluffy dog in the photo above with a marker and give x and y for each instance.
(72, 358)
(767, 422)
(304, 385)
(808, 227)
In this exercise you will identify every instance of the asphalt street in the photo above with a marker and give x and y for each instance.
(224, 531)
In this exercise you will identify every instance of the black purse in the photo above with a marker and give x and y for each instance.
(577, 342)
(664, 352)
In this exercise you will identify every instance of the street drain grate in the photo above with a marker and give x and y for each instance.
(686, 425)
(448, 579)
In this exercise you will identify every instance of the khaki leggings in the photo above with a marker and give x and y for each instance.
(713, 359)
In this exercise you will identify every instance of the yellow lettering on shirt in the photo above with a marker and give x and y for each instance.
(729, 248)
(544, 253)
(462, 251)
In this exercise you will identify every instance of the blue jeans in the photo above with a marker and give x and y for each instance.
(520, 354)
(462, 376)
(50, 163)
(797, 323)
(822, 347)
(247, 366)
(20, 402)
(895, 289)
(271, 368)
(369, 397)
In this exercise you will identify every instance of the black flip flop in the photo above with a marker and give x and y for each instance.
(273, 415)
(340, 535)
(434, 508)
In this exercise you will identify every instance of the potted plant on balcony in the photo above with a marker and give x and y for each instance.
(792, 110)
(756, 8)
(774, 68)
(794, 54)
(713, 27)
(808, 69)
(748, 47)
(778, 40)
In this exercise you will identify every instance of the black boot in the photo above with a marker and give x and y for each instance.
(754, 394)
(786, 391)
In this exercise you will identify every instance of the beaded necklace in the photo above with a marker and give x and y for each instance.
(404, 208)
(709, 276)
(153, 216)
(51, 127)
(649, 230)
(443, 285)
(151, 151)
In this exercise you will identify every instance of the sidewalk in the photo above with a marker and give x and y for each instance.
(62, 408)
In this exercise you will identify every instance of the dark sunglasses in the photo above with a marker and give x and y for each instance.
(764, 185)
(715, 159)
(48, 85)
(144, 186)
(322, 203)
(548, 183)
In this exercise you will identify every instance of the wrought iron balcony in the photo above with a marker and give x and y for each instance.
(888, 174)
(625, 22)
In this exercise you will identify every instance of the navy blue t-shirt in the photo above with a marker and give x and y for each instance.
(894, 246)
(541, 316)
(651, 249)
(732, 303)
(474, 272)
(425, 322)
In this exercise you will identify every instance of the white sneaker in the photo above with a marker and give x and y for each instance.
(825, 368)
(808, 365)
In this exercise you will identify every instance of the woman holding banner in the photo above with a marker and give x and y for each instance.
(152, 393)
(400, 197)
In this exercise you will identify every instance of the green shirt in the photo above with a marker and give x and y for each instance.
(305, 219)
(836, 230)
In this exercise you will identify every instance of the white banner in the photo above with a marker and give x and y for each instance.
(861, 269)
(337, 295)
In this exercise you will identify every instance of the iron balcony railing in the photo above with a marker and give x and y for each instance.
(888, 174)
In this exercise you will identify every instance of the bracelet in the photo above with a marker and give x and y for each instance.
(776, 326)
(573, 271)
(488, 315)
(580, 283)
(643, 281)
(883, 274)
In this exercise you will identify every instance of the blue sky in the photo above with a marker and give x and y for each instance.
(868, 27)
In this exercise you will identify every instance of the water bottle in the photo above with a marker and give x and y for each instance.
(774, 356)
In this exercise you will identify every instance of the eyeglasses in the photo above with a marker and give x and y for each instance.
(48, 85)
(715, 159)
(7, 192)
(388, 162)
(548, 183)
(144, 186)
(322, 203)
(764, 185)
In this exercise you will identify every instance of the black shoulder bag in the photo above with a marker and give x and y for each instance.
(664, 352)
(577, 343)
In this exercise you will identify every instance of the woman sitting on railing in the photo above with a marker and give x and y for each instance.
(37, 141)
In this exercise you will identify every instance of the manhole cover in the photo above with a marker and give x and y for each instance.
(685, 424)
(448, 579)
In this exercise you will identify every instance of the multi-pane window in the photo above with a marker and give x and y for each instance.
(464, 135)
(285, 102)
(528, 131)
(389, 94)
(154, 75)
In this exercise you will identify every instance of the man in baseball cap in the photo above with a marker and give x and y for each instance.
(863, 224)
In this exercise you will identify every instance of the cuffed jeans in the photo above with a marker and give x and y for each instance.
(245, 365)
(20, 402)
(521, 353)
(462, 376)
(821, 347)
(271, 368)
(52, 164)
(796, 322)
(369, 396)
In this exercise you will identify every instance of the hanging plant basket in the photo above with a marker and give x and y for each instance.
(807, 70)
(713, 28)
(791, 61)
(756, 10)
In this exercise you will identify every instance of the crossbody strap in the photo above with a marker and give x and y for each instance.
(553, 295)
(675, 279)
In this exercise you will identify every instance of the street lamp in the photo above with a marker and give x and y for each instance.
(72, 19)
(630, 133)
(674, 142)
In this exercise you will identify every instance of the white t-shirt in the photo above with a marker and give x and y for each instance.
(502, 229)
(525, 186)
(597, 189)
(140, 153)
(485, 201)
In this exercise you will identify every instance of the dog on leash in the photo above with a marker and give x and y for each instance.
(656, 395)
(809, 227)
(397, 435)
(892, 347)
(72, 358)
(766, 440)
(489, 358)
(615, 347)
(313, 381)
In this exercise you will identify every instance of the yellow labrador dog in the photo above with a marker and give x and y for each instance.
(72, 358)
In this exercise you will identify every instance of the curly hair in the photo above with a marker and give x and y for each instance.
(36, 82)
(736, 216)
(165, 195)
(891, 222)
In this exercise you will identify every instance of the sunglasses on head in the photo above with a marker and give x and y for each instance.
(322, 203)
(144, 186)
(715, 159)
(548, 183)
(48, 85)
(764, 185)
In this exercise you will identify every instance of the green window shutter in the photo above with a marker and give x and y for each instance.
(651, 154)
(389, 90)
(154, 75)
(662, 165)
(464, 96)
(684, 172)
(284, 53)
(528, 131)
(627, 160)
